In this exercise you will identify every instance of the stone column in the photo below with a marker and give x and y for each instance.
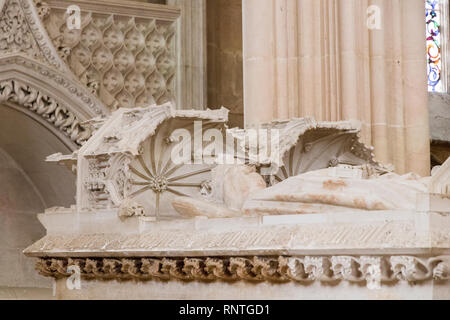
(320, 58)
(224, 38)
(191, 44)
(259, 58)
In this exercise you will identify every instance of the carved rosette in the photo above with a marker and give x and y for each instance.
(156, 179)
(322, 148)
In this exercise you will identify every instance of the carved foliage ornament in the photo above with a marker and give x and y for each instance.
(275, 269)
(14, 35)
(21, 32)
(46, 107)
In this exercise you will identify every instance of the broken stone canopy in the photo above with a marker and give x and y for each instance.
(303, 145)
(129, 157)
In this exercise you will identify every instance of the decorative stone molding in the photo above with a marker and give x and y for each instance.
(277, 235)
(45, 106)
(33, 76)
(124, 53)
(304, 269)
(24, 69)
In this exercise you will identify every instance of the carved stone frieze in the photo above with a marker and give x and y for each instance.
(127, 59)
(304, 269)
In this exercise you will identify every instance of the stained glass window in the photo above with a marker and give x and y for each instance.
(433, 15)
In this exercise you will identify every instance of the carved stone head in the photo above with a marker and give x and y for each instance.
(113, 80)
(123, 60)
(134, 82)
(102, 58)
(113, 38)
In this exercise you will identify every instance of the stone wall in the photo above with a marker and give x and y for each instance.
(149, 1)
(28, 185)
(158, 290)
(224, 74)
(20, 201)
(439, 106)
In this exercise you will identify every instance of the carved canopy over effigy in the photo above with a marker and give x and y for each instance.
(129, 159)
(339, 216)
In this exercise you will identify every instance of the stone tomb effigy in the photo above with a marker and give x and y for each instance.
(338, 224)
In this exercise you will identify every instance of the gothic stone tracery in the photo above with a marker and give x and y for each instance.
(126, 61)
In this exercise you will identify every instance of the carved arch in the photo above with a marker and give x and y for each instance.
(49, 94)
(35, 79)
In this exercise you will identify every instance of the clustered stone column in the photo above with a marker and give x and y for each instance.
(319, 58)
(192, 92)
(225, 74)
